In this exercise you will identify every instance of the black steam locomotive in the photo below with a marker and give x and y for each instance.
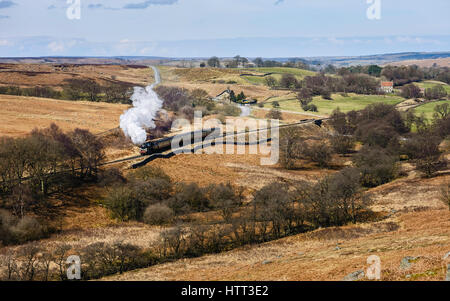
(164, 144)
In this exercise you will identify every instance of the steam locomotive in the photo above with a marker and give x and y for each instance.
(164, 144)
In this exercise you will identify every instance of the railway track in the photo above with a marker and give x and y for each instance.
(171, 153)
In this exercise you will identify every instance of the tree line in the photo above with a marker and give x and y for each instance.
(324, 85)
(259, 62)
(77, 89)
(400, 75)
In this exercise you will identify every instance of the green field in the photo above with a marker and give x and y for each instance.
(277, 74)
(430, 83)
(326, 107)
(428, 109)
(283, 70)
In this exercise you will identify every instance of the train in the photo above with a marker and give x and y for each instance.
(164, 144)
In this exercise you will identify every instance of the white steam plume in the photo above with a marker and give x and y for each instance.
(245, 111)
(141, 116)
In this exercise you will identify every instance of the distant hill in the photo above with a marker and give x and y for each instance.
(379, 59)
(441, 62)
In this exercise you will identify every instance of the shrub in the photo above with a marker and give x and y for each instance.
(339, 122)
(174, 98)
(376, 134)
(441, 111)
(19, 230)
(442, 127)
(27, 228)
(376, 166)
(342, 144)
(124, 204)
(326, 94)
(334, 200)
(411, 91)
(271, 81)
(152, 190)
(101, 259)
(288, 81)
(304, 96)
(189, 197)
(319, 153)
(423, 148)
(173, 241)
(273, 210)
(158, 214)
(149, 172)
(274, 114)
(436, 92)
(291, 145)
(310, 107)
(225, 198)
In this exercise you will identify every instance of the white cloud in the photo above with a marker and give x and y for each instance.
(5, 43)
(56, 46)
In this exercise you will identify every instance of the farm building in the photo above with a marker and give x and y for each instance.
(387, 87)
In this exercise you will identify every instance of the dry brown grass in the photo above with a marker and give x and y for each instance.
(286, 117)
(31, 75)
(21, 114)
(203, 74)
(416, 223)
(417, 232)
(301, 258)
(442, 62)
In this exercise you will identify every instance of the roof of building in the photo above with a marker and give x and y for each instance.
(387, 84)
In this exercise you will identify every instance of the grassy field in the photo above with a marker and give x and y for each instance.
(283, 70)
(431, 83)
(428, 109)
(326, 107)
(277, 74)
(46, 75)
(22, 114)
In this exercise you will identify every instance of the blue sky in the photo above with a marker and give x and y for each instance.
(201, 28)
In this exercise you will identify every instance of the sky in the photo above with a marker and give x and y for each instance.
(202, 28)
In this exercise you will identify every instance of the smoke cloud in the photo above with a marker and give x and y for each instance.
(146, 105)
(245, 111)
